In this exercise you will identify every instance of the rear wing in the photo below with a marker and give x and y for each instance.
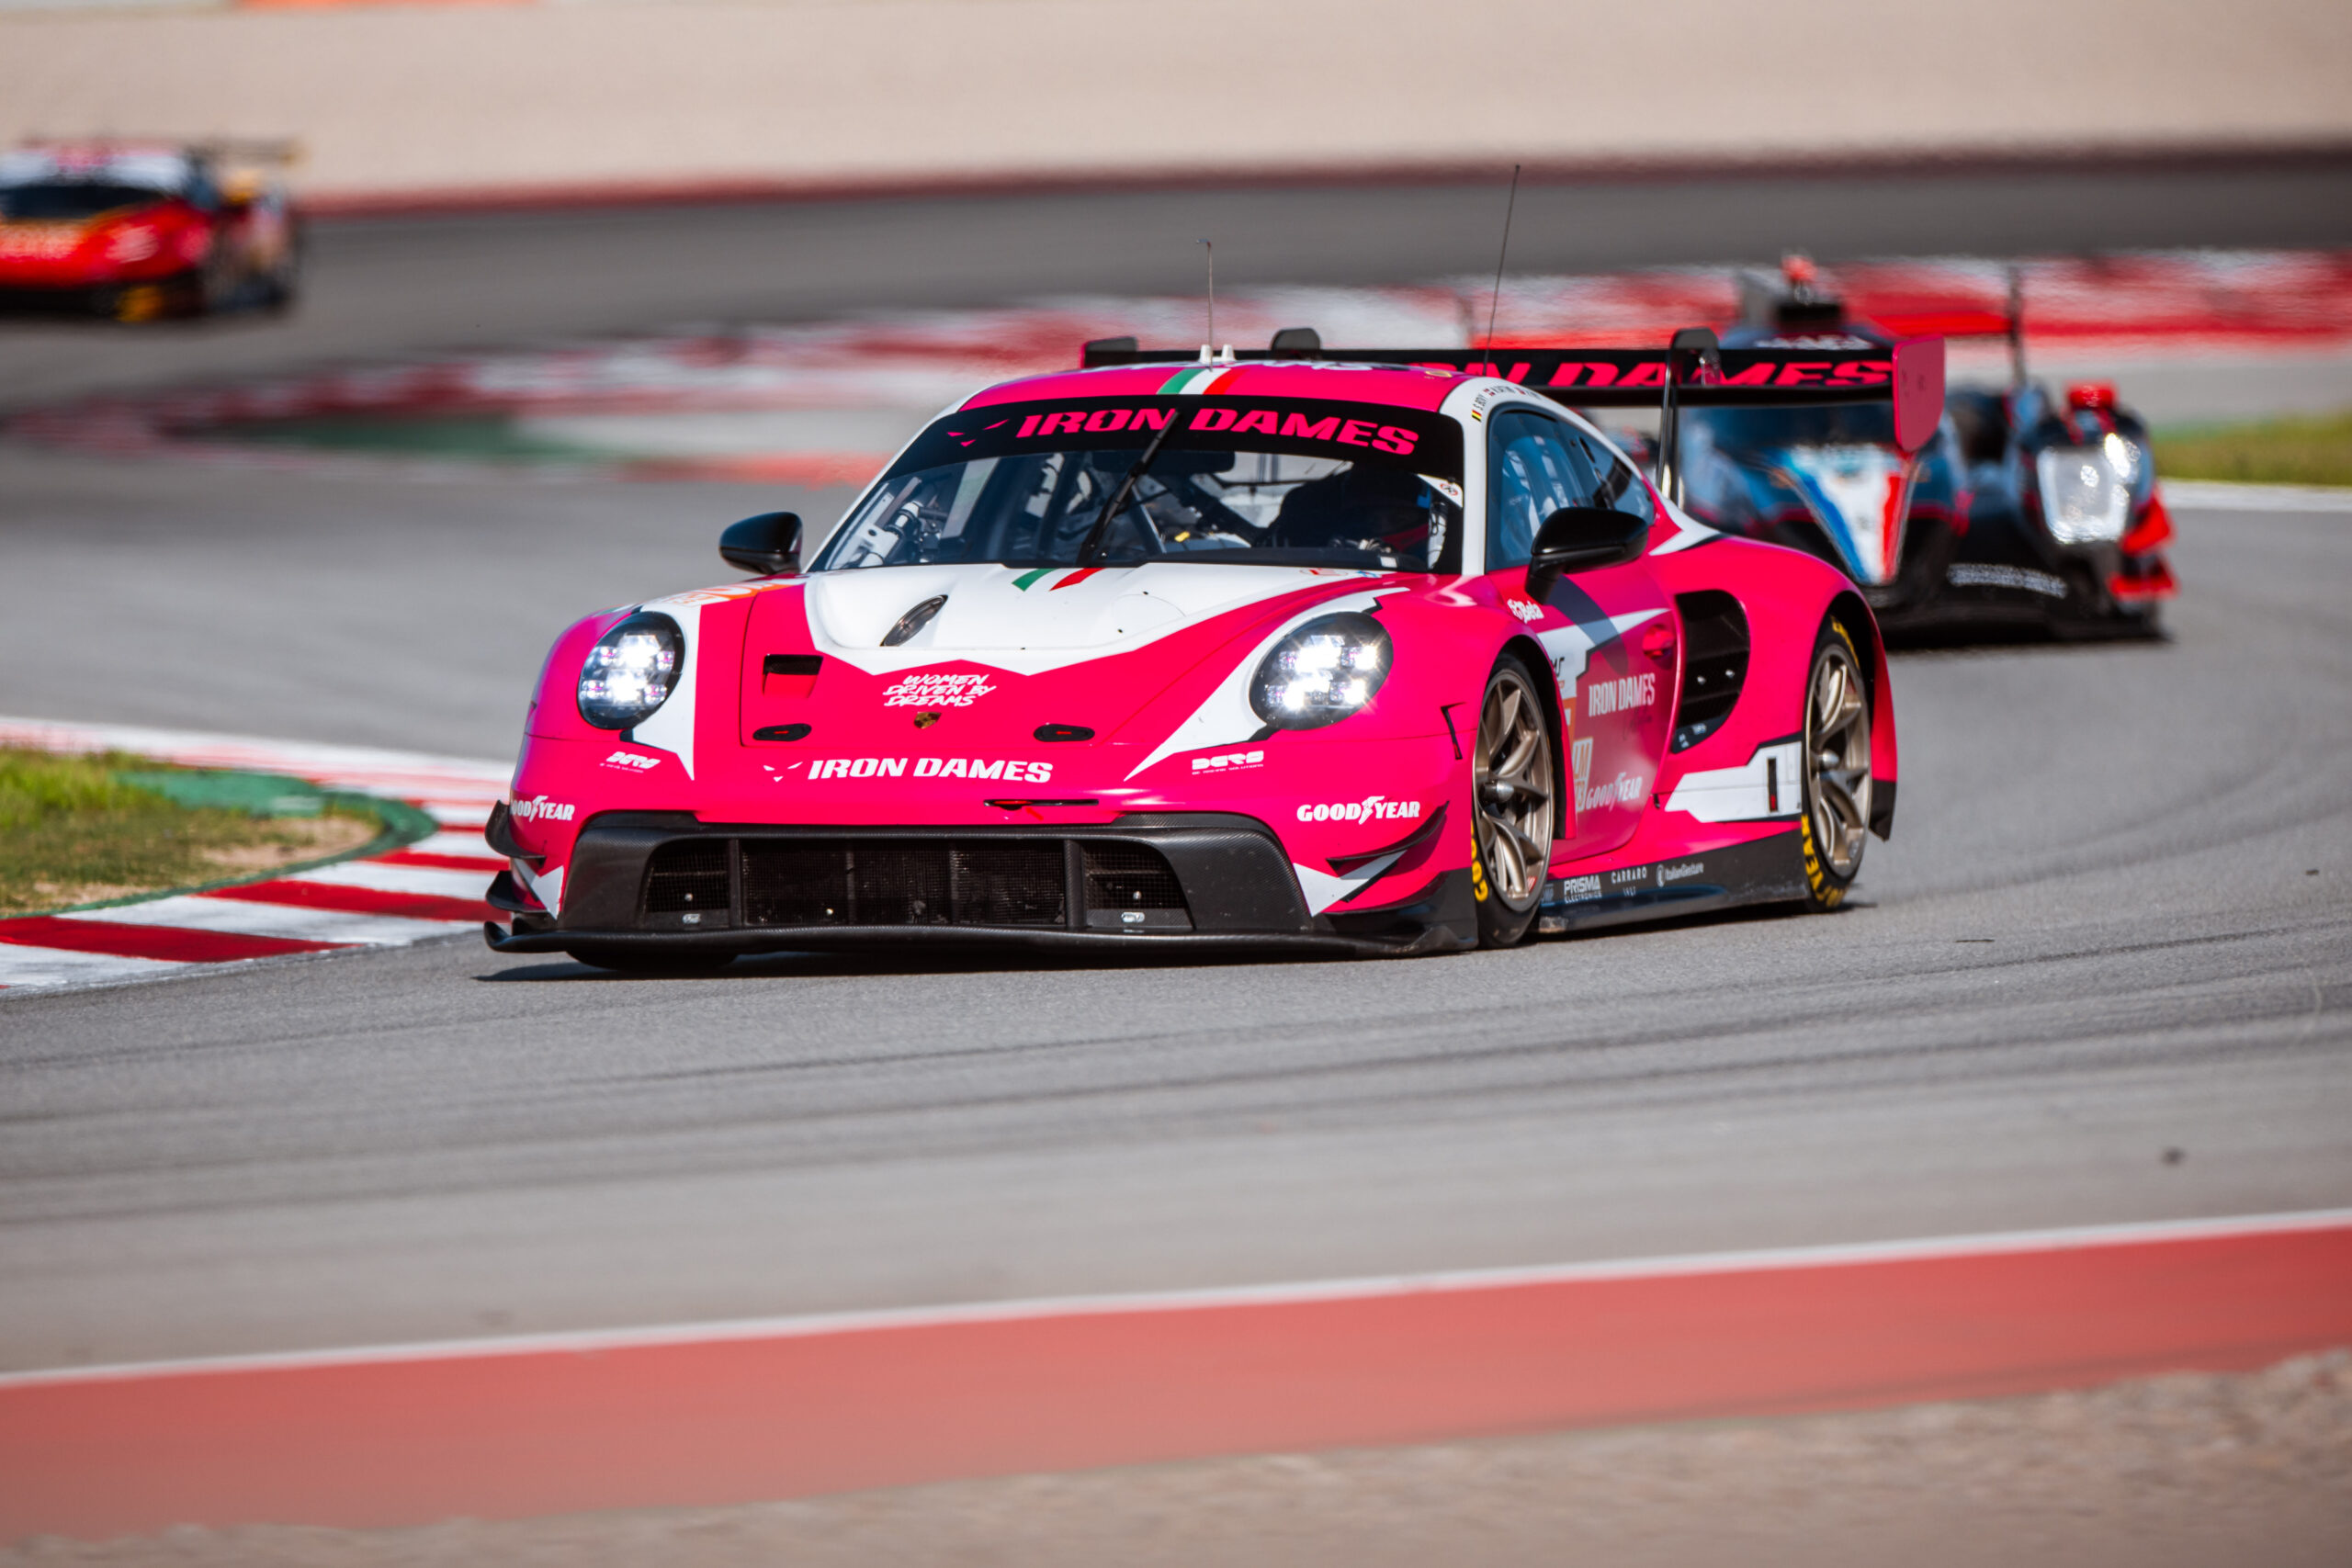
(1693, 371)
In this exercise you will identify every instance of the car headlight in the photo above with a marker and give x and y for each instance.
(1322, 672)
(631, 671)
(2083, 498)
(2124, 456)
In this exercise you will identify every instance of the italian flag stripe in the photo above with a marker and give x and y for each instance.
(1028, 580)
(1196, 380)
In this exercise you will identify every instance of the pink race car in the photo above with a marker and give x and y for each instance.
(1367, 652)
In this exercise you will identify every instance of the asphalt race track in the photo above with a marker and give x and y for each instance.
(2102, 973)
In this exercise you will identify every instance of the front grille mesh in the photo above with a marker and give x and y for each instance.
(1018, 883)
(910, 882)
(1130, 876)
(685, 876)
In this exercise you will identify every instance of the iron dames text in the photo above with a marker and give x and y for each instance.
(1625, 692)
(932, 767)
(1229, 420)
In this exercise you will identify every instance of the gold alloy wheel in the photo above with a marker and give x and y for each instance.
(1838, 756)
(1511, 773)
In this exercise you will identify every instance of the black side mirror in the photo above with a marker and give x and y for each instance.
(1577, 538)
(764, 546)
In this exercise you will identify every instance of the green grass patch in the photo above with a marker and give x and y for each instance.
(85, 830)
(481, 438)
(2276, 451)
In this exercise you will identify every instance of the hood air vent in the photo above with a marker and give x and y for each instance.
(913, 621)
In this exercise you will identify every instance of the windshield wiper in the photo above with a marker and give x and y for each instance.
(1092, 544)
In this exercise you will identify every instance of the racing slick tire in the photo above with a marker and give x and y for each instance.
(1836, 817)
(636, 960)
(134, 302)
(1513, 809)
(282, 284)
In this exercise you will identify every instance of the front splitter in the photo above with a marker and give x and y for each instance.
(850, 939)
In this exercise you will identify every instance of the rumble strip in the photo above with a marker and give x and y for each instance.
(433, 888)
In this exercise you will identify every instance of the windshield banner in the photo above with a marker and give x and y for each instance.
(1417, 439)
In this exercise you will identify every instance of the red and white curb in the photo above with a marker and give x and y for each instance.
(430, 888)
(704, 1414)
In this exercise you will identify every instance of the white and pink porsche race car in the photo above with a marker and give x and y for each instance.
(1377, 652)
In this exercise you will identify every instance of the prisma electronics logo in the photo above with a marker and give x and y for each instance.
(1370, 808)
(539, 808)
(1228, 760)
(937, 692)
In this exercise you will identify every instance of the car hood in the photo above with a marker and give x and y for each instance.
(1025, 620)
(1149, 660)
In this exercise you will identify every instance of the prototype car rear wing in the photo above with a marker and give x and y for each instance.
(1693, 371)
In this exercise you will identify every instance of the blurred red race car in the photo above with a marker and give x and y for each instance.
(136, 231)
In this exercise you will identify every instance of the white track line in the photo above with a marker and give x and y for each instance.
(193, 911)
(1834, 1255)
(32, 968)
(379, 877)
(469, 845)
(2214, 495)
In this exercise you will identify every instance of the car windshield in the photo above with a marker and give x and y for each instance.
(70, 199)
(1825, 424)
(1263, 481)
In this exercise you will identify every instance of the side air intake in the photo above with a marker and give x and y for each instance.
(1715, 664)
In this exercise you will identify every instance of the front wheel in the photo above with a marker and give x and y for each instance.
(1837, 768)
(1510, 849)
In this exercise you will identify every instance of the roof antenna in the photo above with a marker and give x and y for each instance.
(1208, 351)
(1495, 302)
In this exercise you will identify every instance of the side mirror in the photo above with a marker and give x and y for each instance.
(764, 546)
(1577, 538)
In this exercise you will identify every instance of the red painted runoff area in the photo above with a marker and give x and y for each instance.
(172, 942)
(358, 900)
(731, 1413)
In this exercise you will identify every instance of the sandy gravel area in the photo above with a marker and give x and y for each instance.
(2169, 1472)
(389, 98)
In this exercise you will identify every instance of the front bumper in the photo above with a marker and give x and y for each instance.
(662, 882)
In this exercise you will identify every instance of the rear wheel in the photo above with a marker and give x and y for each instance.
(1837, 767)
(1511, 790)
(138, 302)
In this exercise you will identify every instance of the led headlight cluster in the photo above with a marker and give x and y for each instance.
(2084, 499)
(631, 671)
(1322, 672)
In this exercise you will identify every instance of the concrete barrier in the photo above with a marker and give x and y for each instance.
(502, 102)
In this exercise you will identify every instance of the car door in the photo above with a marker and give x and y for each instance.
(1609, 634)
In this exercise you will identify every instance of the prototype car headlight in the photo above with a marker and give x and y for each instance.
(632, 671)
(2084, 500)
(1322, 672)
(2123, 454)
